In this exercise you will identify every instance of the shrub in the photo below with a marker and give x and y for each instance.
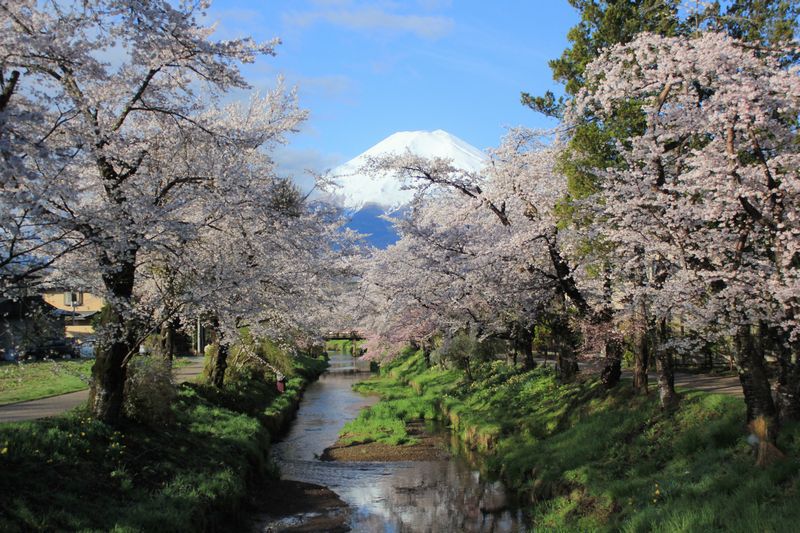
(149, 391)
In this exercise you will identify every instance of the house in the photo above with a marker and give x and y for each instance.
(29, 327)
(78, 309)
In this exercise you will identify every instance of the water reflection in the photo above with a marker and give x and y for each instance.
(394, 497)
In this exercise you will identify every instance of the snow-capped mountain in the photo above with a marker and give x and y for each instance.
(358, 190)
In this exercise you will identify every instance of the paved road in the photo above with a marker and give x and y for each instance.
(56, 405)
(729, 385)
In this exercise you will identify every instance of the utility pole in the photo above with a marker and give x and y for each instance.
(201, 341)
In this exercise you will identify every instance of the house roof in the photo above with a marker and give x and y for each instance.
(77, 314)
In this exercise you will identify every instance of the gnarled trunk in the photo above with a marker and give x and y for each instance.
(115, 344)
(750, 365)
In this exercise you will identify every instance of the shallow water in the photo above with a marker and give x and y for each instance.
(437, 496)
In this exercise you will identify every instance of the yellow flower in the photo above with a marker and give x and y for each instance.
(4, 450)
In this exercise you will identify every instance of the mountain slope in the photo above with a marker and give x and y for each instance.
(358, 189)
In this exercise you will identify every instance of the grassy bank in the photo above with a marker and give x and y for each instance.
(32, 380)
(589, 460)
(74, 473)
(39, 379)
(342, 345)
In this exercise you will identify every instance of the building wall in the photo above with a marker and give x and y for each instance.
(78, 330)
(90, 302)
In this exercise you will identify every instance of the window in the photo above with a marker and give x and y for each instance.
(73, 298)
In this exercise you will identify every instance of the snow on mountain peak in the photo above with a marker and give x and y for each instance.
(358, 189)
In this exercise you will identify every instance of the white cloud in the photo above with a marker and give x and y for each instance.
(297, 163)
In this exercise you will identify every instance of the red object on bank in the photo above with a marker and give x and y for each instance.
(281, 386)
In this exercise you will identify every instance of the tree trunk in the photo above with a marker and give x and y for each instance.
(787, 393)
(167, 340)
(612, 371)
(666, 368)
(641, 356)
(566, 360)
(219, 365)
(426, 354)
(565, 341)
(525, 343)
(755, 383)
(115, 343)
(467, 368)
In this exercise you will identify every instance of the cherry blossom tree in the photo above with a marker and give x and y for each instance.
(138, 144)
(704, 206)
(519, 191)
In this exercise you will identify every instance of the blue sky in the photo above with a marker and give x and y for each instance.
(368, 69)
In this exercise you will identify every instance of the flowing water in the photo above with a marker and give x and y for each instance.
(436, 496)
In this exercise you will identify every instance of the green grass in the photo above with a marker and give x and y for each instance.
(20, 382)
(74, 473)
(597, 461)
(342, 345)
(39, 379)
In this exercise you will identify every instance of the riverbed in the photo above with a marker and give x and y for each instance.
(441, 495)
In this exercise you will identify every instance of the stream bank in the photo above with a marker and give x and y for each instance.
(585, 459)
(192, 470)
(441, 494)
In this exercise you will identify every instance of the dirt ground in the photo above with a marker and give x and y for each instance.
(293, 506)
(428, 448)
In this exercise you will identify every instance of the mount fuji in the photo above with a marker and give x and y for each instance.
(358, 189)
(369, 197)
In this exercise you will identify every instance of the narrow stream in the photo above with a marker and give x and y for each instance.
(426, 496)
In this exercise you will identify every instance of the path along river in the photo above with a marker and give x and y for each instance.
(441, 496)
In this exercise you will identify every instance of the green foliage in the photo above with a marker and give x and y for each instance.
(596, 460)
(592, 146)
(766, 22)
(149, 391)
(248, 355)
(32, 380)
(343, 345)
(74, 473)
